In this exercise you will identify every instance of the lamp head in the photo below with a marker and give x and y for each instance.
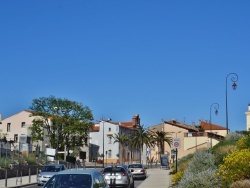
(234, 86)
(216, 112)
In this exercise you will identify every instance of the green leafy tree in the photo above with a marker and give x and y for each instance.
(62, 121)
(123, 140)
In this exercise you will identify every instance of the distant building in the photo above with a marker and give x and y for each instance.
(191, 138)
(18, 138)
(105, 131)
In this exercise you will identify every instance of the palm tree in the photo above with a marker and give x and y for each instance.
(123, 140)
(160, 137)
(140, 137)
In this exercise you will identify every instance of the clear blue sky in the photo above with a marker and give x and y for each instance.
(160, 59)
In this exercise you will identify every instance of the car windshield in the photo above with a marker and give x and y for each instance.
(113, 169)
(70, 181)
(135, 166)
(51, 169)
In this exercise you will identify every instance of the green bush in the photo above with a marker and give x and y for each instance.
(236, 167)
(204, 179)
(5, 163)
(244, 142)
(31, 159)
(200, 172)
(201, 161)
(222, 152)
(177, 177)
(234, 136)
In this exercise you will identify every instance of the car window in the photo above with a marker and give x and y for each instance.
(135, 166)
(52, 168)
(96, 182)
(101, 180)
(69, 180)
(113, 169)
(48, 169)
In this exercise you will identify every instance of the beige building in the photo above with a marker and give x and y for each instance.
(15, 129)
(191, 138)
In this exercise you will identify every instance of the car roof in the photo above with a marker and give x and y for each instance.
(54, 165)
(78, 171)
(136, 164)
(123, 165)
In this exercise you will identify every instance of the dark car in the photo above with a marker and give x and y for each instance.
(138, 171)
(77, 178)
(48, 171)
(118, 175)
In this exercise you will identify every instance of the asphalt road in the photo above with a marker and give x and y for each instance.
(137, 183)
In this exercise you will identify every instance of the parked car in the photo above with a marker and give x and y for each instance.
(77, 178)
(138, 171)
(48, 171)
(118, 175)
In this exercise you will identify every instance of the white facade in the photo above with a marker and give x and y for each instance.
(248, 119)
(104, 138)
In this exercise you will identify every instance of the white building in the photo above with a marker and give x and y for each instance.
(248, 119)
(102, 142)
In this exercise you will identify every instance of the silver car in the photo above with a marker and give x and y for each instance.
(48, 171)
(139, 171)
(118, 175)
(77, 178)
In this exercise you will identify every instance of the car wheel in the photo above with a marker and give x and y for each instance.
(132, 185)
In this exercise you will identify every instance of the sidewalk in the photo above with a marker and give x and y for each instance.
(18, 182)
(157, 177)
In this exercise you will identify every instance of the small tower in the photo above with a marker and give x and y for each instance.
(248, 118)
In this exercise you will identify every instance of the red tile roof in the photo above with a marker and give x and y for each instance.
(181, 125)
(206, 126)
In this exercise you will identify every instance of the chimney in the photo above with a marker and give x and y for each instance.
(136, 120)
(248, 109)
(0, 117)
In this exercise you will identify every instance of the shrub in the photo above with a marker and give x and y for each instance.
(201, 161)
(4, 163)
(223, 151)
(234, 136)
(244, 142)
(200, 172)
(241, 184)
(177, 177)
(183, 162)
(32, 159)
(236, 166)
(204, 179)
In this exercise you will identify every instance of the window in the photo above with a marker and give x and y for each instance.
(16, 138)
(109, 154)
(109, 129)
(110, 139)
(23, 124)
(8, 127)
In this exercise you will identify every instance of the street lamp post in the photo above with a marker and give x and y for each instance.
(216, 107)
(103, 121)
(234, 79)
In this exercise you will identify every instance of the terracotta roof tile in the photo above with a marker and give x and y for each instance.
(181, 125)
(206, 126)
